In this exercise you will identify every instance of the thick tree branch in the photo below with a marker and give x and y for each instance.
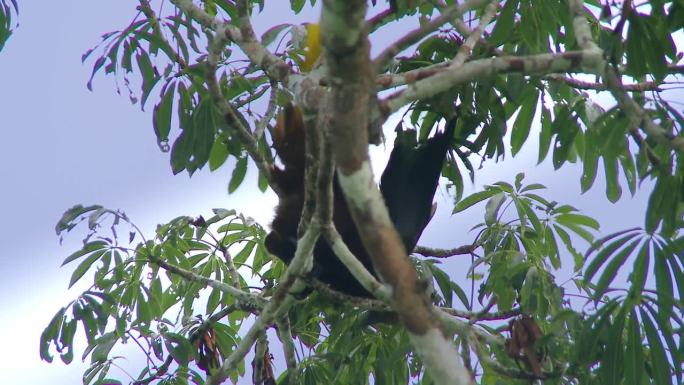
(346, 50)
(584, 85)
(379, 20)
(355, 266)
(439, 79)
(259, 353)
(285, 336)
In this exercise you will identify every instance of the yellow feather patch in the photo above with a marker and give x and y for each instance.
(313, 46)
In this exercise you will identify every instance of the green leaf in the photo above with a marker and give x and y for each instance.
(600, 242)
(634, 354)
(179, 347)
(492, 208)
(213, 301)
(263, 182)
(663, 280)
(84, 266)
(565, 237)
(575, 227)
(604, 254)
(590, 161)
(50, 333)
(612, 365)
(570, 218)
(161, 115)
(107, 381)
(504, 23)
(474, 199)
(533, 186)
(149, 76)
(629, 169)
(104, 346)
(203, 134)
(238, 174)
(636, 62)
(545, 134)
(66, 222)
(640, 271)
(180, 153)
(658, 357)
(272, 33)
(297, 5)
(566, 129)
(218, 154)
(613, 189)
(612, 268)
(87, 248)
(657, 202)
(96, 67)
(521, 127)
(66, 339)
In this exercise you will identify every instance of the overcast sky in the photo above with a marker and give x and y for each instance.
(62, 145)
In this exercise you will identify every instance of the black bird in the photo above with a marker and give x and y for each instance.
(408, 185)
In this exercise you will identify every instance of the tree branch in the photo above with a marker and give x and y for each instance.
(249, 299)
(277, 305)
(446, 253)
(147, 10)
(243, 36)
(346, 50)
(584, 85)
(468, 45)
(419, 33)
(613, 81)
(439, 79)
(285, 336)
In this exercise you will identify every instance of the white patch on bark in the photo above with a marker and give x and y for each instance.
(362, 193)
(441, 357)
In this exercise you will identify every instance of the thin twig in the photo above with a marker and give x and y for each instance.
(419, 33)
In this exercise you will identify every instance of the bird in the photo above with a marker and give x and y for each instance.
(407, 184)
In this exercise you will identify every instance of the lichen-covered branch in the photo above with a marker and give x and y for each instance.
(594, 86)
(352, 263)
(285, 336)
(351, 75)
(430, 82)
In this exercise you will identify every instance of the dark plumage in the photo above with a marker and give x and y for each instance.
(408, 185)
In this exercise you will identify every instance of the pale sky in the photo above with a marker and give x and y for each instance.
(62, 145)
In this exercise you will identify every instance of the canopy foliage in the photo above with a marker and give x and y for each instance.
(201, 292)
